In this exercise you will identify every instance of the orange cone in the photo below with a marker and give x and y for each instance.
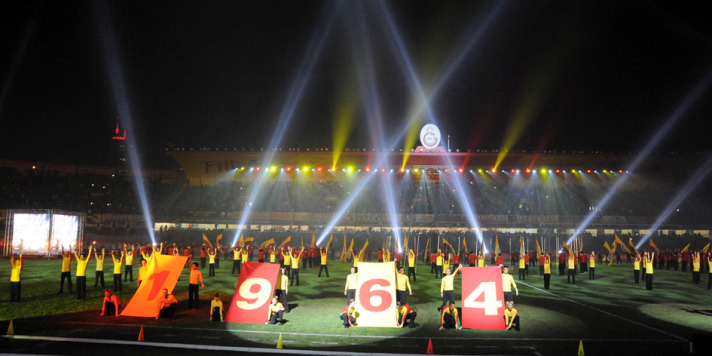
(430, 346)
(140, 334)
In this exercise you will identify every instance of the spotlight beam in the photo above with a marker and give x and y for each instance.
(118, 86)
(659, 135)
(295, 94)
(459, 58)
(694, 181)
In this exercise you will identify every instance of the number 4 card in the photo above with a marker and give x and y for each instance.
(253, 293)
(482, 298)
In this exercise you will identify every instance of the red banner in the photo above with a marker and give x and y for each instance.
(161, 272)
(253, 293)
(482, 298)
(376, 296)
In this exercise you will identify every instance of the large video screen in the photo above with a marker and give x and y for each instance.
(30, 233)
(65, 229)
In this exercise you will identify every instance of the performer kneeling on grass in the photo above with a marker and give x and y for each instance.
(216, 308)
(110, 305)
(275, 312)
(511, 317)
(348, 314)
(449, 318)
(404, 314)
(167, 304)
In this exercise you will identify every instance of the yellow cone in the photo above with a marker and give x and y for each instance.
(279, 341)
(10, 329)
(580, 351)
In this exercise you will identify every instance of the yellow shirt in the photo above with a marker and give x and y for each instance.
(67, 262)
(323, 259)
(211, 258)
(649, 266)
(295, 261)
(547, 266)
(508, 282)
(452, 312)
(16, 269)
(572, 262)
(245, 255)
(287, 258)
(411, 259)
(636, 265)
(117, 263)
(402, 282)
(356, 258)
(129, 258)
(522, 263)
(351, 281)
(82, 265)
(695, 264)
(272, 257)
(274, 309)
(236, 254)
(592, 261)
(509, 316)
(100, 262)
(439, 260)
(282, 283)
(447, 283)
(481, 261)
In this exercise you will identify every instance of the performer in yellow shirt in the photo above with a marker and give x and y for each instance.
(282, 288)
(128, 269)
(211, 262)
(356, 259)
(402, 283)
(66, 270)
(287, 261)
(195, 276)
(82, 273)
(572, 268)
(695, 268)
(522, 267)
(447, 286)
(592, 265)
(295, 266)
(15, 278)
(411, 264)
(636, 268)
(323, 253)
(351, 284)
(236, 256)
(449, 318)
(511, 317)
(99, 268)
(405, 314)
(216, 308)
(348, 314)
(547, 271)
(117, 270)
(649, 271)
(272, 255)
(507, 284)
(439, 265)
(275, 312)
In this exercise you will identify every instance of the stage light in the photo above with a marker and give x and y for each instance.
(445, 170)
(460, 170)
(494, 170)
(402, 170)
(257, 169)
(479, 170)
(529, 170)
(383, 170)
(558, 171)
(368, 169)
(350, 169)
(289, 169)
(588, 171)
(620, 171)
(512, 170)
(252, 169)
(416, 170)
(407, 170)
(543, 170)
(318, 169)
(273, 168)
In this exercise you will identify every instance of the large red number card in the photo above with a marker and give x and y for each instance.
(161, 272)
(376, 294)
(482, 298)
(253, 293)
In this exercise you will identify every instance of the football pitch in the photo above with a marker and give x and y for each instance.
(610, 315)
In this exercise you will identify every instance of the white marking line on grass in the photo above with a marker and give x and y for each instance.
(193, 347)
(607, 313)
(260, 332)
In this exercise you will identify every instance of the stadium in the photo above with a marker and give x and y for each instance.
(490, 149)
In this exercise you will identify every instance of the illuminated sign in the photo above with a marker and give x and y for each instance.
(430, 136)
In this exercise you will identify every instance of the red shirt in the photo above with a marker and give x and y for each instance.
(472, 259)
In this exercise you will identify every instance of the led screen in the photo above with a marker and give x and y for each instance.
(30, 233)
(65, 229)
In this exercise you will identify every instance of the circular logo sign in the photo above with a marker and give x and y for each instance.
(430, 136)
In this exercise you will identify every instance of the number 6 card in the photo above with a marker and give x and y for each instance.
(253, 293)
(376, 295)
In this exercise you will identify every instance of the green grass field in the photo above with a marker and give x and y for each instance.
(610, 314)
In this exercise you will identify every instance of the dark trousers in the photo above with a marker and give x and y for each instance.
(304, 263)
(541, 270)
(81, 287)
(411, 270)
(522, 274)
(15, 289)
(283, 299)
(448, 296)
(449, 322)
(648, 281)
(110, 309)
(401, 296)
(345, 317)
(167, 312)
(572, 274)
(295, 275)
(277, 316)
(68, 276)
(350, 295)
(202, 262)
(592, 273)
(409, 320)
(684, 266)
(696, 277)
(193, 293)
(561, 269)
(117, 282)
(515, 323)
(217, 263)
(236, 266)
(128, 272)
(432, 268)
(709, 281)
(547, 280)
(99, 277)
(323, 268)
(211, 269)
(636, 276)
(438, 272)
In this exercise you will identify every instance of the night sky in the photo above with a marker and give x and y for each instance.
(573, 75)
